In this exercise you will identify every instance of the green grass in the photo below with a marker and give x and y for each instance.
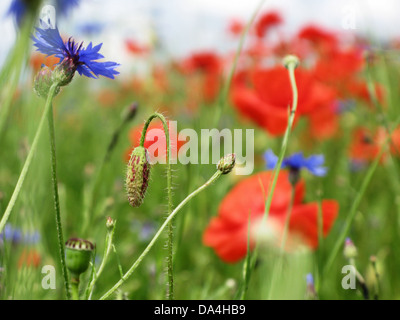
(83, 129)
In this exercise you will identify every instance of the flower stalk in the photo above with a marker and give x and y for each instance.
(166, 223)
(170, 287)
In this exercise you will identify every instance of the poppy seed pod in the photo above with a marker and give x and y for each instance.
(137, 176)
(78, 255)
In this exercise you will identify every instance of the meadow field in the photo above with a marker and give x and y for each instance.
(112, 187)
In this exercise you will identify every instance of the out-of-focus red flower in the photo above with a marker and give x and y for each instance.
(322, 40)
(29, 258)
(206, 68)
(267, 103)
(135, 48)
(339, 65)
(266, 22)
(39, 59)
(108, 97)
(235, 27)
(204, 61)
(155, 134)
(359, 90)
(367, 144)
(227, 233)
(324, 122)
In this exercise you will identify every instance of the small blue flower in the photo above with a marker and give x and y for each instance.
(297, 162)
(16, 236)
(19, 8)
(83, 60)
(310, 279)
(64, 6)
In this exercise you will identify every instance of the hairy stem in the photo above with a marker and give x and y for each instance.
(170, 283)
(60, 236)
(157, 235)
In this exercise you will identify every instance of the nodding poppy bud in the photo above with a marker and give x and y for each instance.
(226, 164)
(43, 82)
(78, 255)
(137, 176)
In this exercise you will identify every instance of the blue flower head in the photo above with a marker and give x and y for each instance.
(73, 56)
(296, 162)
(19, 8)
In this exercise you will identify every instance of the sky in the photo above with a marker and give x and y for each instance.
(184, 26)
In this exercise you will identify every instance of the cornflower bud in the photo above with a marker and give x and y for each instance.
(43, 81)
(226, 164)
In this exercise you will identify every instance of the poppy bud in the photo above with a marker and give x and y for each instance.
(137, 176)
(43, 81)
(226, 164)
(78, 255)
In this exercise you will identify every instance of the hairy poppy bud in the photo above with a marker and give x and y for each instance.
(137, 176)
(226, 164)
(78, 255)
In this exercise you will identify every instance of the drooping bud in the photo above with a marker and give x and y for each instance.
(137, 176)
(43, 81)
(64, 72)
(226, 164)
(78, 255)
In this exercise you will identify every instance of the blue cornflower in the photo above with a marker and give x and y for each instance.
(19, 8)
(73, 56)
(297, 161)
(16, 235)
(311, 293)
(63, 6)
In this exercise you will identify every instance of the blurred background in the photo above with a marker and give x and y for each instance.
(176, 57)
(181, 27)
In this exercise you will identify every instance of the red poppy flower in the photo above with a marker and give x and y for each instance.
(235, 27)
(135, 48)
(227, 233)
(322, 40)
(266, 22)
(29, 258)
(204, 61)
(39, 59)
(205, 67)
(267, 104)
(155, 134)
(366, 144)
